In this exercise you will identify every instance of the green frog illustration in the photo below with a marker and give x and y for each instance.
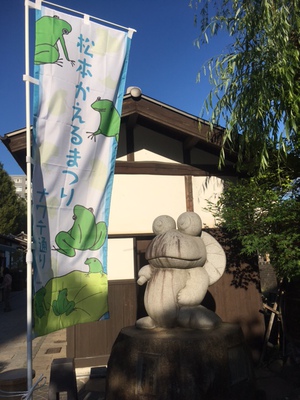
(95, 265)
(85, 233)
(49, 32)
(39, 303)
(62, 305)
(76, 296)
(109, 119)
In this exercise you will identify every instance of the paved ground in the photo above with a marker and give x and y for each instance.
(276, 381)
(13, 352)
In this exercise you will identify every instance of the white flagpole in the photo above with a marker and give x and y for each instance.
(29, 227)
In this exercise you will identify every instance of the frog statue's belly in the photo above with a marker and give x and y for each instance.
(161, 304)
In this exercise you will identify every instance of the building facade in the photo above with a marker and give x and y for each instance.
(167, 163)
(20, 182)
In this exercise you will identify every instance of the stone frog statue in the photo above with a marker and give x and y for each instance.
(183, 263)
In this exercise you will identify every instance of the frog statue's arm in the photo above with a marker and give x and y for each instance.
(200, 278)
(144, 274)
(195, 289)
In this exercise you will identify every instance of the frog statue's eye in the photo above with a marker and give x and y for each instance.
(190, 223)
(162, 224)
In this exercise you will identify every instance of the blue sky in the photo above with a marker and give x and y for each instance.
(163, 60)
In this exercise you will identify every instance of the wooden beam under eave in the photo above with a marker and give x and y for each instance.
(162, 168)
(178, 121)
(190, 142)
(188, 183)
(129, 107)
(130, 125)
(131, 121)
(171, 120)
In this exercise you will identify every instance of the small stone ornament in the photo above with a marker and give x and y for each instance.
(183, 263)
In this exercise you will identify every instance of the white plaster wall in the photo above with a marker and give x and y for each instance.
(120, 259)
(138, 199)
(206, 189)
(146, 155)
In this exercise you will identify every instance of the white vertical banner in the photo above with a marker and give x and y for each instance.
(81, 66)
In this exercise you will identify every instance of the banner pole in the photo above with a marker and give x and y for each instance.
(29, 197)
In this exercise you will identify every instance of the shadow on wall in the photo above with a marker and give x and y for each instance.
(236, 297)
(244, 269)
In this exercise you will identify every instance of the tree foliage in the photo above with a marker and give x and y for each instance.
(264, 215)
(12, 207)
(256, 92)
(256, 80)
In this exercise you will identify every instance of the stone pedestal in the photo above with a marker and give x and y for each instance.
(179, 364)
